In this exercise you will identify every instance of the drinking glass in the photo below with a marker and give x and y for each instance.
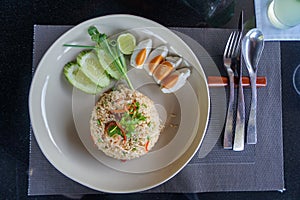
(284, 14)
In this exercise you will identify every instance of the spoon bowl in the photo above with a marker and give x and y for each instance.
(252, 47)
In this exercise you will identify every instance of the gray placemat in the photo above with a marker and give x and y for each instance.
(258, 168)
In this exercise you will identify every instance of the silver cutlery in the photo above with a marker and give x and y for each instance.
(229, 58)
(252, 47)
(239, 135)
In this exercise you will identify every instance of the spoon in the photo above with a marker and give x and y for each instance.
(252, 47)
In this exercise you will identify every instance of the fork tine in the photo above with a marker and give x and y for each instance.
(227, 48)
(234, 44)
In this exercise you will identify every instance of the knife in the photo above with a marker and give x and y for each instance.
(239, 136)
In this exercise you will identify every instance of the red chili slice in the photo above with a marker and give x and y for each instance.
(147, 144)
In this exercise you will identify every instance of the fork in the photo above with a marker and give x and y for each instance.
(229, 58)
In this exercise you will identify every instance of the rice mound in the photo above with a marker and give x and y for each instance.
(135, 117)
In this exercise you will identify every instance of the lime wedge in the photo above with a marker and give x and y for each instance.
(79, 80)
(126, 43)
(106, 62)
(91, 67)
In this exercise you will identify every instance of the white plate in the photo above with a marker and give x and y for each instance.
(50, 105)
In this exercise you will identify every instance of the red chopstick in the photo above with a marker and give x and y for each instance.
(221, 81)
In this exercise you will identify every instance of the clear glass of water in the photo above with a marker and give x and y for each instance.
(284, 14)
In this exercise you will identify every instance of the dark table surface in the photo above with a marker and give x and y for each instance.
(17, 20)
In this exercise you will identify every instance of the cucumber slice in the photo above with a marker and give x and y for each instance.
(107, 63)
(78, 79)
(91, 67)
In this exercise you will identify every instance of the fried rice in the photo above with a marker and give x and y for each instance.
(125, 124)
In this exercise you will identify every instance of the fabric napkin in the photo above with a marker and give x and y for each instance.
(257, 168)
(270, 32)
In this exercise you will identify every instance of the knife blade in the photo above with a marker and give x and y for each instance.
(239, 136)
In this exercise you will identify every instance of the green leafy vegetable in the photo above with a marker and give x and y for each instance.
(79, 46)
(131, 118)
(128, 123)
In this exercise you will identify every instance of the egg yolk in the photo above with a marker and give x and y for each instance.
(155, 62)
(140, 57)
